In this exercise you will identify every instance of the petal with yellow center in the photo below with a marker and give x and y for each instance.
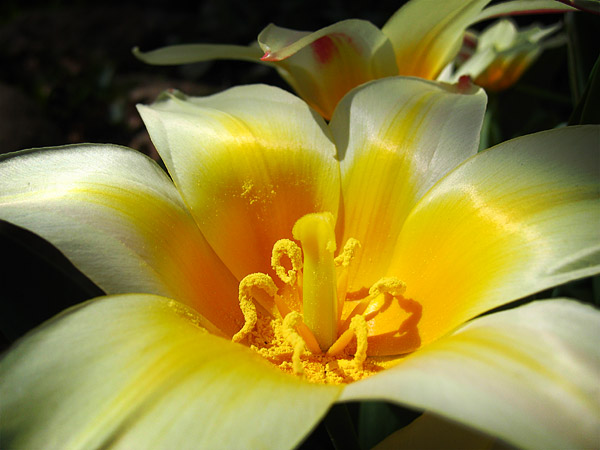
(249, 162)
(323, 66)
(396, 138)
(528, 376)
(427, 34)
(136, 371)
(514, 220)
(116, 215)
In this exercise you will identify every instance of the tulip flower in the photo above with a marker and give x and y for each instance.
(286, 264)
(420, 39)
(497, 57)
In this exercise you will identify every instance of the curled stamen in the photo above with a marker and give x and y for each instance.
(286, 247)
(290, 322)
(246, 295)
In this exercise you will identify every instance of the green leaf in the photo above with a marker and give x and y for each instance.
(587, 110)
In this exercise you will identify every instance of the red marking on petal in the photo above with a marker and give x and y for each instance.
(324, 49)
(268, 56)
(464, 84)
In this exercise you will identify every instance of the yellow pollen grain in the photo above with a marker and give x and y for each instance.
(268, 339)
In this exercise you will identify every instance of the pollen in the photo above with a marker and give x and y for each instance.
(308, 325)
(270, 338)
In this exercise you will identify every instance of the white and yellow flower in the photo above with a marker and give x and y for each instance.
(345, 261)
(421, 39)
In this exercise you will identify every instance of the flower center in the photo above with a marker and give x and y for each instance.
(310, 325)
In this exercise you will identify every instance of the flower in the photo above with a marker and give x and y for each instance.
(445, 235)
(420, 39)
(498, 56)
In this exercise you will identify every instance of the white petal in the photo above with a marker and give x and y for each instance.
(118, 217)
(136, 372)
(528, 376)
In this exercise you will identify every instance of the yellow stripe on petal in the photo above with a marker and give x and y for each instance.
(136, 371)
(528, 376)
(426, 34)
(323, 66)
(249, 162)
(116, 215)
(396, 138)
(514, 220)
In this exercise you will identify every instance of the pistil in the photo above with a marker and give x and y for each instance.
(319, 285)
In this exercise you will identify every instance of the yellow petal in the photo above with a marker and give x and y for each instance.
(116, 215)
(514, 220)
(426, 34)
(135, 371)
(249, 162)
(528, 376)
(323, 66)
(396, 138)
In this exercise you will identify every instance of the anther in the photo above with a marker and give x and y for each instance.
(288, 329)
(342, 261)
(358, 324)
(348, 253)
(388, 285)
(246, 295)
(286, 247)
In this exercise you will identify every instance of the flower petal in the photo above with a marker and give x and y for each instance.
(514, 220)
(396, 138)
(116, 215)
(249, 162)
(135, 371)
(427, 34)
(527, 375)
(323, 66)
(503, 53)
(192, 53)
(522, 7)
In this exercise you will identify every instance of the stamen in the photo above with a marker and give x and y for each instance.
(288, 329)
(358, 328)
(286, 247)
(348, 253)
(343, 261)
(369, 305)
(246, 294)
(388, 285)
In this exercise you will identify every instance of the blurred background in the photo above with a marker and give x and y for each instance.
(67, 75)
